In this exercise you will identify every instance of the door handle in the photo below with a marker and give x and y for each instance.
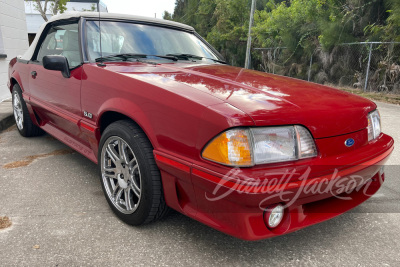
(34, 74)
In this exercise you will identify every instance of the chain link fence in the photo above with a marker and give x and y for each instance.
(371, 66)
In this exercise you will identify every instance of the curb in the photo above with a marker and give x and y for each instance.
(7, 122)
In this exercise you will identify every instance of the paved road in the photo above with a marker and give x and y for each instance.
(56, 204)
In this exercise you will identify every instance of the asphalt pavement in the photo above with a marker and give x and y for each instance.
(61, 218)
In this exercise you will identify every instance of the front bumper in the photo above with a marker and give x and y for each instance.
(234, 201)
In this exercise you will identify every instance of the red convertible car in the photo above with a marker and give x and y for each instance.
(171, 125)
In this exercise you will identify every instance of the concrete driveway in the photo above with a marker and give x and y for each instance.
(61, 218)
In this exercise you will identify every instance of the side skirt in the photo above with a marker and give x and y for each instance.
(69, 141)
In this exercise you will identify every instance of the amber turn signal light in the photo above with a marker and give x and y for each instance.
(230, 148)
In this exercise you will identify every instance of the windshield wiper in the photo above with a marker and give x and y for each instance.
(126, 56)
(184, 56)
(174, 57)
(189, 56)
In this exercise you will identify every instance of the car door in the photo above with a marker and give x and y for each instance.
(56, 99)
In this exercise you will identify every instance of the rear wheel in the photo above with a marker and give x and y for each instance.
(25, 125)
(130, 178)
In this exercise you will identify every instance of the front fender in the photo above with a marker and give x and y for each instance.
(129, 109)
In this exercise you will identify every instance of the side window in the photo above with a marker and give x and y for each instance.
(62, 40)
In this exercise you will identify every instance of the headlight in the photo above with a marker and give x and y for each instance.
(374, 125)
(251, 146)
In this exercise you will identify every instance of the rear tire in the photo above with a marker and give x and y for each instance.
(129, 175)
(25, 125)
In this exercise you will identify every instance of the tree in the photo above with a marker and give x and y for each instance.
(92, 8)
(167, 15)
(54, 6)
(301, 26)
(390, 29)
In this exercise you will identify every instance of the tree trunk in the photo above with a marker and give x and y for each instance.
(42, 10)
(55, 7)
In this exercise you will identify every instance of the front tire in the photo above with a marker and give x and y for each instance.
(129, 175)
(25, 125)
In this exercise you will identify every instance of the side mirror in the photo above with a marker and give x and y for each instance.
(59, 63)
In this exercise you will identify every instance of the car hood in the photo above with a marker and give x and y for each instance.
(268, 99)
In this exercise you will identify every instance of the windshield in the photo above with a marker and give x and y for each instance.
(130, 38)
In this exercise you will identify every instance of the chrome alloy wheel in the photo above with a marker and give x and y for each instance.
(121, 175)
(18, 113)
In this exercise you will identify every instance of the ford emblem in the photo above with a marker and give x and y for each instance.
(349, 142)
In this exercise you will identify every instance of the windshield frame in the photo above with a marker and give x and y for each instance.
(84, 21)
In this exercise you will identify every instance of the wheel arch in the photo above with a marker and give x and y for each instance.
(110, 116)
(15, 80)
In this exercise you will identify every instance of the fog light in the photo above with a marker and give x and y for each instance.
(274, 215)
